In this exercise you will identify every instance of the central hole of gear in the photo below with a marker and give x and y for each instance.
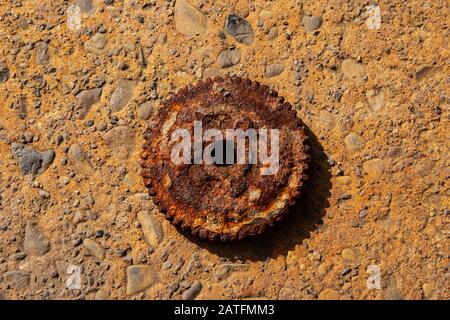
(223, 153)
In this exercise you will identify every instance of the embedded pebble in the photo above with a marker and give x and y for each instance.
(78, 159)
(86, 6)
(31, 161)
(151, 228)
(344, 180)
(86, 99)
(94, 249)
(102, 295)
(327, 119)
(223, 271)
(428, 290)
(121, 95)
(394, 152)
(4, 72)
(354, 142)
(376, 99)
(240, 29)
(274, 69)
(329, 294)
(121, 141)
(374, 17)
(349, 256)
(19, 280)
(42, 56)
(212, 73)
(392, 293)
(265, 15)
(97, 43)
(354, 71)
(145, 110)
(374, 168)
(229, 58)
(188, 20)
(311, 23)
(35, 242)
(73, 17)
(139, 278)
(193, 291)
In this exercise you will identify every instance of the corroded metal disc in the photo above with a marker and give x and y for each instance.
(226, 202)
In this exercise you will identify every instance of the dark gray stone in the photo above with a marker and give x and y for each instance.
(31, 161)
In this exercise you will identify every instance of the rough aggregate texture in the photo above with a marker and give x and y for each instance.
(370, 82)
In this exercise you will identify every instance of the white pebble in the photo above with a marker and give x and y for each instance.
(73, 17)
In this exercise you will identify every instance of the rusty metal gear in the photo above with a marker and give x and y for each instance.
(226, 202)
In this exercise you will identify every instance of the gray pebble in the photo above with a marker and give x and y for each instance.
(97, 43)
(86, 6)
(121, 95)
(193, 291)
(145, 110)
(274, 69)
(212, 73)
(4, 72)
(139, 277)
(354, 142)
(19, 280)
(173, 287)
(394, 152)
(86, 99)
(121, 141)
(152, 229)
(311, 23)
(94, 249)
(42, 53)
(166, 265)
(102, 126)
(35, 242)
